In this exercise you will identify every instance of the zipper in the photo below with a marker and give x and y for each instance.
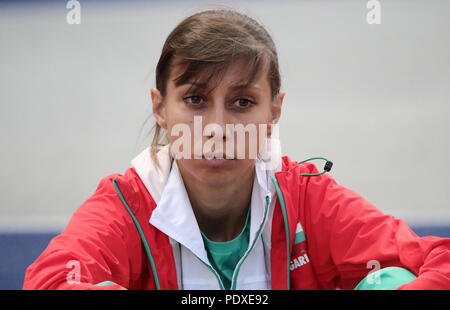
(222, 287)
(141, 234)
(286, 228)
(258, 233)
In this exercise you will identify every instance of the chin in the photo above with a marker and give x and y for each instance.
(217, 176)
(216, 172)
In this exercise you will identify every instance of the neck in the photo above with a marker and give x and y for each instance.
(220, 210)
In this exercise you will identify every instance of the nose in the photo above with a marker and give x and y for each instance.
(216, 120)
(217, 136)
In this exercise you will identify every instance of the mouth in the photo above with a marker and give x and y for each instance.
(215, 156)
(216, 160)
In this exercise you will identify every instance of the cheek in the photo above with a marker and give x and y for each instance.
(261, 119)
(178, 120)
(259, 114)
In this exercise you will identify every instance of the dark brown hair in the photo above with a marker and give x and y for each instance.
(206, 43)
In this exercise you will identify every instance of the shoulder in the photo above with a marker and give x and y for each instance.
(296, 174)
(293, 166)
(295, 181)
(115, 189)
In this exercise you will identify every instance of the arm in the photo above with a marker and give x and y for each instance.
(346, 232)
(93, 248)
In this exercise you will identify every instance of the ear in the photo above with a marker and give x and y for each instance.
(276, 109)
(159, 108)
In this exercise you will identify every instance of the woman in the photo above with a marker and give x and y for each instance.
(204, 212)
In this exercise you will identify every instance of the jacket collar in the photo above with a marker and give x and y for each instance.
(154, 178)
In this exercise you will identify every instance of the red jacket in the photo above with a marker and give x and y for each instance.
(343, 233)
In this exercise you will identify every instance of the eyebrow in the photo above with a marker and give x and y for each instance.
(232, 87)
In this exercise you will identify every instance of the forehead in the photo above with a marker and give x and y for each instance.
(237, 74)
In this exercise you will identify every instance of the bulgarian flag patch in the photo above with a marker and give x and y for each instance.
(299, 240)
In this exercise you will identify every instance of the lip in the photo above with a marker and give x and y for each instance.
(216, 162)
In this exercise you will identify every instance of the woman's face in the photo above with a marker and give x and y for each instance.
(201, 123)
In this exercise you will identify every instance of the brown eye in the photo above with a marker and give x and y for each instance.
(243, 103)
(194, 100)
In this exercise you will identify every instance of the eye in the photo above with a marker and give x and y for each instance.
(194, 100)
(243, 103)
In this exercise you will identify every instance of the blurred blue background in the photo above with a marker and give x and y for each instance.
(74, 98)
